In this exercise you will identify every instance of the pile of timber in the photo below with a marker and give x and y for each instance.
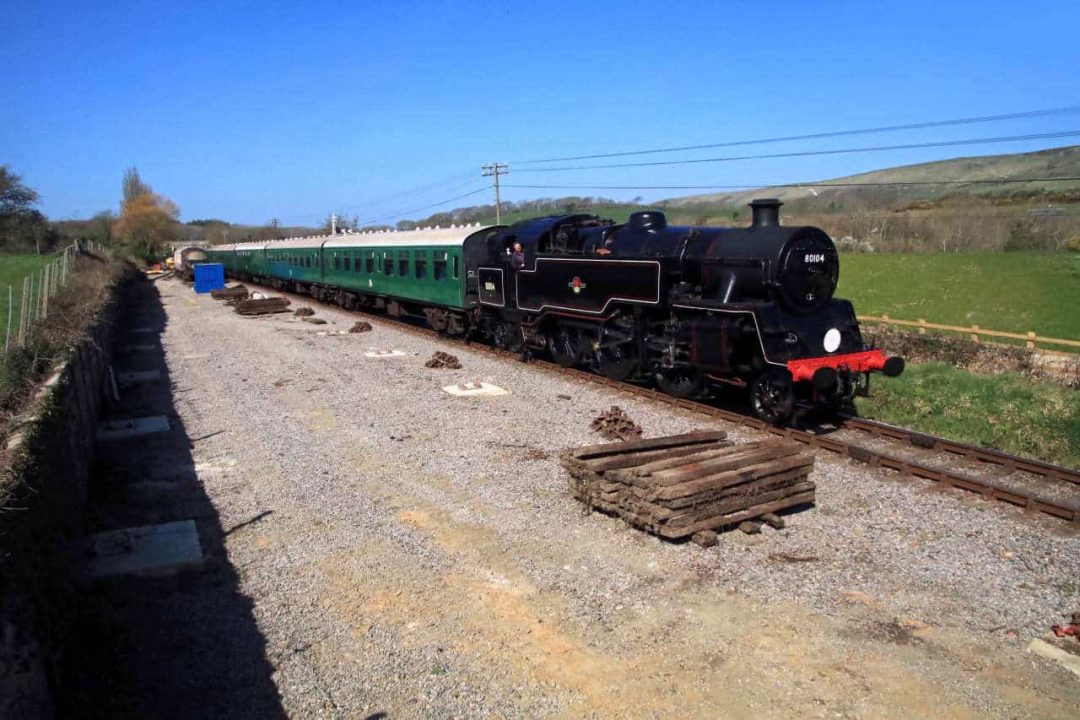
(230, 293)
(263, 306)
(686, 485)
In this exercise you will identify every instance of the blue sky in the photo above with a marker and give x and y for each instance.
(247, 111)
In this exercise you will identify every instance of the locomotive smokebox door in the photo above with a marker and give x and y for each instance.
(492, 286)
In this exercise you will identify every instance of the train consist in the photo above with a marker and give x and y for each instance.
(689, 308)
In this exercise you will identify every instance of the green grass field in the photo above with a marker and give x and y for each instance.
(1006, 412)
(13, 268)
(1014, 292)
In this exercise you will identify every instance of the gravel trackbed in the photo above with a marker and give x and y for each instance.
(416, 554)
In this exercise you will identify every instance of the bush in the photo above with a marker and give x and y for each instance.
(1073, 244)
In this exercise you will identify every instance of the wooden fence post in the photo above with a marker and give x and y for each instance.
(46, 285)
(24, 310)
(922, 326)
(7, 328)
(975, 333)
(1031, 340)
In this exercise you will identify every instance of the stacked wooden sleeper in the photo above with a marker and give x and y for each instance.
(685, 484)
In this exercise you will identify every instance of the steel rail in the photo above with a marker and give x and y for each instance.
(989, 489)
(971, 452)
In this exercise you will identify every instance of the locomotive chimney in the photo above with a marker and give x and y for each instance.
(766, 212)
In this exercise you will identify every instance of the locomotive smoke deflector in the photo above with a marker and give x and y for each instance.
(765, 212)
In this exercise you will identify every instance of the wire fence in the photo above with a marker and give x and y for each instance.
(26, 304)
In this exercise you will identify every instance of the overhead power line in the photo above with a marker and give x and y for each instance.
(807, 153)
(1069, 110)
(441, 184)
(815, 184)
(424, 189)
(425, 207)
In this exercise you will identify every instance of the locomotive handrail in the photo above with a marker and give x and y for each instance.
(1030, 338)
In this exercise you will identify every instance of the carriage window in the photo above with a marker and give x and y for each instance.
(403, 263)
(440, 265)
(369, 263)
(337, 263)
(421, 266)
(307, 261)
(456, 273)
(348, 264)
(388, 264)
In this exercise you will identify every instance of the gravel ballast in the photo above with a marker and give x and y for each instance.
(419, 554)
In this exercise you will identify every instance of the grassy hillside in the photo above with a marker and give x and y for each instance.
(13, 268)
(1016, 292)
(1056, 162)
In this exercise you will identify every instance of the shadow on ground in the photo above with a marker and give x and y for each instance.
(185, 645)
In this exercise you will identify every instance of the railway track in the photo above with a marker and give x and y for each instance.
(991, 465)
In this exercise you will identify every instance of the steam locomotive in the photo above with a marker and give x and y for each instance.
(687, 308)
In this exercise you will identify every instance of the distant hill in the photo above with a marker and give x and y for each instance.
(1057, 162)
(901, 209)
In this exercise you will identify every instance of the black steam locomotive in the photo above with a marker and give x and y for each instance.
(686, 307)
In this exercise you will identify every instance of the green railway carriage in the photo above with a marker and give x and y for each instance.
(426, 267)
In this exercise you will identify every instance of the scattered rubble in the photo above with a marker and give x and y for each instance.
(303, 311)
(443, 360)
(360, 326)
(615, 424)
(313, 320)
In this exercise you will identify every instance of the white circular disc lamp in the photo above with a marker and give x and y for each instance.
(832, 340)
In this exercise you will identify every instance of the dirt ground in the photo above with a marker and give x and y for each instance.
(409, 553)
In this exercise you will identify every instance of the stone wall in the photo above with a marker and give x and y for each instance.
(49, 457)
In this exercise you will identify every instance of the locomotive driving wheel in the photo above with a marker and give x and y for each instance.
(507, 336)
(772, 396)
(616, 363)
(613, 351)
(566, 346)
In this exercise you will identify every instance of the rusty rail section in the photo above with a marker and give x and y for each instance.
(1002, 460)
(989, 489)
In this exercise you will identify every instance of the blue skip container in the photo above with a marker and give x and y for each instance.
(209, 276)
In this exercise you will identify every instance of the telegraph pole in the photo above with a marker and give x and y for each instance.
(333, 223)
(495, 170)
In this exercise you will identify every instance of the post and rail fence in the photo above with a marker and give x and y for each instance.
(1031, 339)
(28, 302)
